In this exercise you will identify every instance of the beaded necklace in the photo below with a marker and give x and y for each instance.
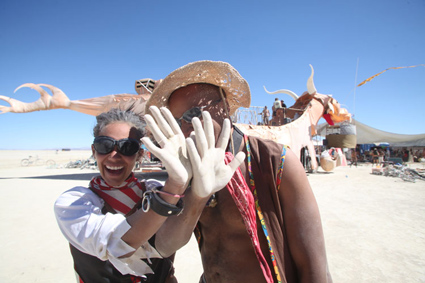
(257, 205)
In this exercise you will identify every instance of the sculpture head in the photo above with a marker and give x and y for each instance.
(332, 112)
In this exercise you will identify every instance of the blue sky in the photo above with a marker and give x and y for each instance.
(96, 48)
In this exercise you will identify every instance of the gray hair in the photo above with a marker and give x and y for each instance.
(117, 115)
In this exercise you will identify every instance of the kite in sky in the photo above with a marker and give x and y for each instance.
(374, 76)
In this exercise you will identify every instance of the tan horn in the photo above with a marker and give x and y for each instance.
(310, 84)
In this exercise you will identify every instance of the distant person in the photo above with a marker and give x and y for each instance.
(415, 156)
(284, 109)
(381, 155)
(375, 156)
(266, 115)
(333, 153)
(410, 158)
(353, 157)
(405, 155)
(276, 105)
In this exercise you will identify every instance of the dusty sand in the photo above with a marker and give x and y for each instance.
(374, 225)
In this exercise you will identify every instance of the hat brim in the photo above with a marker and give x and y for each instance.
(217, 73)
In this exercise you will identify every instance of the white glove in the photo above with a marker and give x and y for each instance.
(210, 173)
(173, 153)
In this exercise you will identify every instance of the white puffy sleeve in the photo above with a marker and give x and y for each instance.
(79, 215)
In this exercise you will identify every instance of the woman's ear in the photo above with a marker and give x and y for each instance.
(93, 151)
(140, 155)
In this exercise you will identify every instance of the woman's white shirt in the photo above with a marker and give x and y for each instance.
(79, 215)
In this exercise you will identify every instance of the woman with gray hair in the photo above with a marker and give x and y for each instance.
(111, 224)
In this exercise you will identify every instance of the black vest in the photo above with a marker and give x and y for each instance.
(93, 270)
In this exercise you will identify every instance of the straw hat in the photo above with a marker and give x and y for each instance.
(217, 73)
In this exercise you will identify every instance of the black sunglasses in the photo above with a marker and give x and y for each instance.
(188, 115)
(105, 145)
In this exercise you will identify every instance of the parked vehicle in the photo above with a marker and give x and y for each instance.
(35, 160)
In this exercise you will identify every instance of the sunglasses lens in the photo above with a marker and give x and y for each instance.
(128, 147)
(192, 113)
(103, 145)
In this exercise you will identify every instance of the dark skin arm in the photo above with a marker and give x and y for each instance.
(302, 223)
(177, 230)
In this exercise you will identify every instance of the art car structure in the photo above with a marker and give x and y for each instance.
(294, 126)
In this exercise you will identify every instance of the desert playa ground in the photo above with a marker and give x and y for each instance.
(374, 225)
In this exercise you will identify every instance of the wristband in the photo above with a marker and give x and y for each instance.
(151, 200)
(158, 190)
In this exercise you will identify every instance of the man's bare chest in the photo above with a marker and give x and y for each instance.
(224, 213)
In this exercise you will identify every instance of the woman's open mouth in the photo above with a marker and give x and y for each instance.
(114, 169)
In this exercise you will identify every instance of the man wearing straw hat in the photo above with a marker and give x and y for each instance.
(264, 225)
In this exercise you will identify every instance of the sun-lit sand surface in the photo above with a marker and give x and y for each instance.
(374, 225)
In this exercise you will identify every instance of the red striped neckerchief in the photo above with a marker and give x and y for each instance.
(122, 199)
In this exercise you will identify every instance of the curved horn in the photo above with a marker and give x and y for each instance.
(286, 91)
(310, 84)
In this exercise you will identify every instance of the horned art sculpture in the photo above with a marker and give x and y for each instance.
(310, 106)
(297, 134)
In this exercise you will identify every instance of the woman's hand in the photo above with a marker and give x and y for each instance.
(210, 173)
(172, 151)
